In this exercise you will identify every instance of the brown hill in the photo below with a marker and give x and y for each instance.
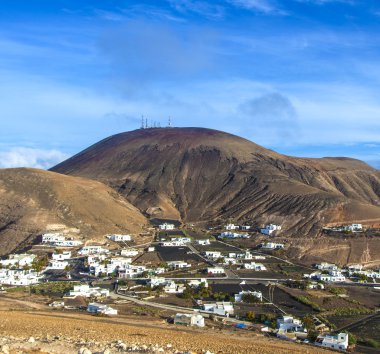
(33, 201)
(196, 174)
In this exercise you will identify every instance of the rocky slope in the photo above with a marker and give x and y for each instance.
(33, 201)
(196, 174)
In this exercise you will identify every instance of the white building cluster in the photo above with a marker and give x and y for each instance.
(59, 240)
(270, 229)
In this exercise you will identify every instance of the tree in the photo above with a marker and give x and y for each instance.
(187, 293)
(40, 263)
(312, 335)
(308, 323)
(250, 298)
(352, 340)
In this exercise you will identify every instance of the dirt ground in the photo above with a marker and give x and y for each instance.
(22, 321)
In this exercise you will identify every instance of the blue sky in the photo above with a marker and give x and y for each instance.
(301, 77)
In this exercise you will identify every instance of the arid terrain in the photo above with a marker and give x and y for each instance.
(196, 174)
(35, 201)
(66, 333)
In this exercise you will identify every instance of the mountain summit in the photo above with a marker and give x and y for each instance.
(197, 174)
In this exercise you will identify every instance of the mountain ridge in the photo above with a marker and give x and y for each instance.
(199, 174)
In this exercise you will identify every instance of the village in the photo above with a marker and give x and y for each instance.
(202, 278)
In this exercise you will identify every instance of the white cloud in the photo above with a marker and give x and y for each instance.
(262, 6)
(324, 2)
(204, 8)
(30, 157)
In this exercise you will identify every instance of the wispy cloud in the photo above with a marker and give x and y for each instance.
(268, 7)
(29, 157)
(324, 2)
(208, 9)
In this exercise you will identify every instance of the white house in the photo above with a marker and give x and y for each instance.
(257, 294)
(131, 272)
(219, 308)
(189, 320)
(259, 257)
(229, 260)
(18, 260)
(181, 240)
(178, 265)
(166, 226)
(156, 281)
(327, 266)
(52, 238)
(255, 266)
(172, 287)
(289, 324)
(112, 265)
(19, 277)
(272, 246)
(203, 242)
(269, 229)
(229, 234)
(151, 249)
(245, 227)
(196, 283)
(87, 291)
(231, 227)
(57, 265)
(332, 277)
(129, 252)
(171, 244)
(355, 268)
(119, 238)
(68, 243)
(215, 270)
(339, 342)
(86, 250)
(63, 256)
(95, 307)
(213, 254)
(58, 239)
(354, 227)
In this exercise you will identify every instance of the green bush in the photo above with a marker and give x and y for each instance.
(346, 311)
(306, 301)
(371, 343)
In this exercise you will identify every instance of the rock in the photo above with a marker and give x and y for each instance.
(84, 350)
(31, 340)
(122, 346)
(107, 351)
(5, 349)
(168, 345)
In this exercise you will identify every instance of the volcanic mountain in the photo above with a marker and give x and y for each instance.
(196, 174)
(33, 201)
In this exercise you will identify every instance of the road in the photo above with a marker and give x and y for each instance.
(181, 309)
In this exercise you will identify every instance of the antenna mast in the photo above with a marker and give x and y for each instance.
(142, 122)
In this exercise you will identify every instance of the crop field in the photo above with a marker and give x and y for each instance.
(168, 254)
(264, 274)
(170, 233)
(217, 246)
(370, 329)
(197, 235)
